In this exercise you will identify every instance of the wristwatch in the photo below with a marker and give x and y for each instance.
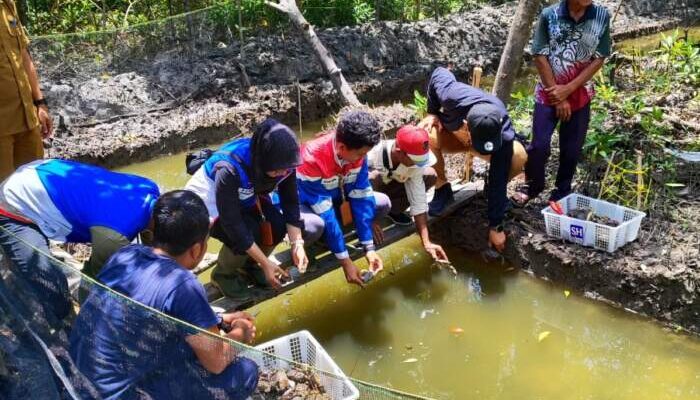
(40, 102)
(222, 324)
(498, 228)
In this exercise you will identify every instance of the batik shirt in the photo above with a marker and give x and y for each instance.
(571, 46)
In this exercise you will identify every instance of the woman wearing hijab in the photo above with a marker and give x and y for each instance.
(235, 184)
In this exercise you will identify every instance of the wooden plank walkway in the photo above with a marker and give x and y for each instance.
(325, 262)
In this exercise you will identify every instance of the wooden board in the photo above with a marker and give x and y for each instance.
(327, 262)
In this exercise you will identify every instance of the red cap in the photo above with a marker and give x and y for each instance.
(414, 141)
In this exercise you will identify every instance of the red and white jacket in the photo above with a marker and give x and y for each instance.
(320, 179)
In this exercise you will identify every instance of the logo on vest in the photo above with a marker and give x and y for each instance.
(351, 177)
(330, 183)
(245, 193)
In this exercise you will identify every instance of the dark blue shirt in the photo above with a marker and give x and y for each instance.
(451, 100)
(115, 343)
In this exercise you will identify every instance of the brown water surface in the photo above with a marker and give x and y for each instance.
(520, 338)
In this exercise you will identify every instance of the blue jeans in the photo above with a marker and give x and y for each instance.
(188, 380)
(314, 225)
(37, 272)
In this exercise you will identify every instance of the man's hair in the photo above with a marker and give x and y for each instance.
(358, 129)
(180, 220)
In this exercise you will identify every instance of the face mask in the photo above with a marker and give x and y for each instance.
(264, 183)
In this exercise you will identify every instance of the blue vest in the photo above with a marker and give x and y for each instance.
(240, 148)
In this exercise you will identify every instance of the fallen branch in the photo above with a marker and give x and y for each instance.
(289, 7)
(673, 119)
(677, 121)
(122, 116)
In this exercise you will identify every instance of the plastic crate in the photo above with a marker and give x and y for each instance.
(302, 347)
(589, 233)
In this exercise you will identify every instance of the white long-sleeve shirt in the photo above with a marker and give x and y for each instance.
(411, 177)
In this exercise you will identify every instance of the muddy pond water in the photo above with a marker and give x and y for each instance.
(488, 333)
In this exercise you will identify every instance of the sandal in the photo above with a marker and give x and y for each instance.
(519, 199)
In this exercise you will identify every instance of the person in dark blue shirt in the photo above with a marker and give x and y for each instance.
(123, 347)
(463, 118)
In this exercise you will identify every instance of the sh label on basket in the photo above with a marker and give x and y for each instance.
(576, 232)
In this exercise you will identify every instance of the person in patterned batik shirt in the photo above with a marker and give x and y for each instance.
(571, 41)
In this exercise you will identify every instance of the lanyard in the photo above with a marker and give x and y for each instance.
(385, 160)
(15, 217)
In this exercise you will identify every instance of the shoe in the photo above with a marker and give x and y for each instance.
(556, 194)
(443, 198)
(233, 287)
(255, 275)
(400, 218)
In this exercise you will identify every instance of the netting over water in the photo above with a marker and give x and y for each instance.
(185, 35)
(37, 360)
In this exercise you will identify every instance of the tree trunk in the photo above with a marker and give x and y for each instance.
(512, 56)
(23, 11)
(245, 79)
(103, 21)
(190, 24)
(289, 7)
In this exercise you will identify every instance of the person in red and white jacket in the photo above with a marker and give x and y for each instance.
(334, 168)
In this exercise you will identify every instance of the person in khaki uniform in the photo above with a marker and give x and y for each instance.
(24, 116)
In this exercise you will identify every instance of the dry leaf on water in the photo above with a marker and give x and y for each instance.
(456, 330)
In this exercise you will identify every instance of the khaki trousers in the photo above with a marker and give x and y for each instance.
(446, 142)
(105, 242)
(18, 149)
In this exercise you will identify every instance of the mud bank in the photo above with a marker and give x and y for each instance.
(136, 137)
(655, 276)
(128, 111)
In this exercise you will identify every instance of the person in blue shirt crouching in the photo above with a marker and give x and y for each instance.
(68, 202)
(127, 350)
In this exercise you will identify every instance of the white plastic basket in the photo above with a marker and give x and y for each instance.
(302, 347)
(589, 233)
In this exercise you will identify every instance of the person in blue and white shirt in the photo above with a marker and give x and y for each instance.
(67, 201)
(236, 183)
